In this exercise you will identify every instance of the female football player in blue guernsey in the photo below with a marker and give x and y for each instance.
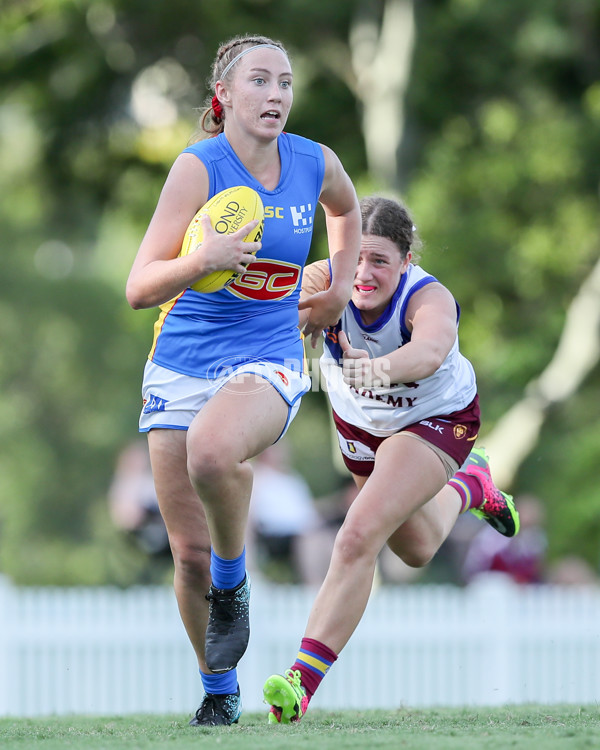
(226, 371)
(406, 410)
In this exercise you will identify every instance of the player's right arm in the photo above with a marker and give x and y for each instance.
(158, 273)
(343, 221)
(315, 278)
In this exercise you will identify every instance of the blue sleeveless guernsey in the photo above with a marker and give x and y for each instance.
(255, 318)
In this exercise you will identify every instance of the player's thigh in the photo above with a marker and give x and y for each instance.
(239, 421)
(406, 475)
(179, 503)
(414, 535)
(413, 538)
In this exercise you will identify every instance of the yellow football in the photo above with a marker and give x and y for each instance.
(229, 210)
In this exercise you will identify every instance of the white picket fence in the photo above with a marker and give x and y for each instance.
(104, 651)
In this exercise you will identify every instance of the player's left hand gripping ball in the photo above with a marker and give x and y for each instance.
(229, 211)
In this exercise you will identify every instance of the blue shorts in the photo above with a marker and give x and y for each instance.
(172, 400)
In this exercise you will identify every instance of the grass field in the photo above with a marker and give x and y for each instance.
(511, 727)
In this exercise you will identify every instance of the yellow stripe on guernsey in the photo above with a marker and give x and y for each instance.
(160, 321)
(313, 661)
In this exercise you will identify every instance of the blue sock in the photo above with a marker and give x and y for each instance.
(221, 684)
(227, 574)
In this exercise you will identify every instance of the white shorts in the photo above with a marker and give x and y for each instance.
(172, 400)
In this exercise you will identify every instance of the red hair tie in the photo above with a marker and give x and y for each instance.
(217, 108)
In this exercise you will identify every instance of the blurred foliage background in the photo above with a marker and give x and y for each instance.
(498, 157)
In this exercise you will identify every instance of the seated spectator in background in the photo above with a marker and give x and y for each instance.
(315, 544)
(281, 511)
(448, 565)
(522, 558)
(132, 500)
(572, 570)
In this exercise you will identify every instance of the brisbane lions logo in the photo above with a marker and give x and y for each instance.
(266, 280)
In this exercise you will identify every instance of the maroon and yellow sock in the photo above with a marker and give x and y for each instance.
(469, 488)
(314, 660)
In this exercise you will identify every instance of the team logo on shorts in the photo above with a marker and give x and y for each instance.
(459, 431)
(284, 379)
(355, 450)
(154, 403)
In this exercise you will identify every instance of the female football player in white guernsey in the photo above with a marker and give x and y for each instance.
(405, 406)
(226, 371)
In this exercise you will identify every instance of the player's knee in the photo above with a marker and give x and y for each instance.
(353, 543)
(208, 464)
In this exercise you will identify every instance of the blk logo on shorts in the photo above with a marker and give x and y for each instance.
(432, 426)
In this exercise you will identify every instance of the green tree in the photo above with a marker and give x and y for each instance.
(505, 189)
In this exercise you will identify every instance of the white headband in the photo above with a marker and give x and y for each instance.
(230, 65)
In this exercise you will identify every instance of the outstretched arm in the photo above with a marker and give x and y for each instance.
(315, 279)
(342, 217)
